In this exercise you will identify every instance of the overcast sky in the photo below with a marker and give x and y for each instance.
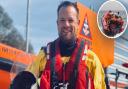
(113, 5)
(42, 17)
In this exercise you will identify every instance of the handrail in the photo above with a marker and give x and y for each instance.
(121, 80)
(120, 68)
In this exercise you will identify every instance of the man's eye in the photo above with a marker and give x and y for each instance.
(62, 20)
(70, 21)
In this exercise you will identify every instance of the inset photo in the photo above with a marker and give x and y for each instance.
(112, 19)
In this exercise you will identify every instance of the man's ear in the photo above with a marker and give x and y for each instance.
(78, 22)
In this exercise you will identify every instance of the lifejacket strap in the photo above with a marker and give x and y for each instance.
(73, 76)
(53, 75)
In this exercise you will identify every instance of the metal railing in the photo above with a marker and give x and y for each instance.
(120, 73)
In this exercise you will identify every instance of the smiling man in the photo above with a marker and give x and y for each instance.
(67, 62)
(67, 22)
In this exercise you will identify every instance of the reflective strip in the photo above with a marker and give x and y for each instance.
(84, 57)
(86, 49)
(48, 57)
(85, 52)
(48, 51)
(48, 48)
(89, 84)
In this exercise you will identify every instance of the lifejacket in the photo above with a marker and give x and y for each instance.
(73, 75)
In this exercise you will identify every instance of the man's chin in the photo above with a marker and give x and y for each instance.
(67, 40)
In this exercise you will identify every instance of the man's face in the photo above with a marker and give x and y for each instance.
(67, 23)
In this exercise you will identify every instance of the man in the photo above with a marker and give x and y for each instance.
(67, 63)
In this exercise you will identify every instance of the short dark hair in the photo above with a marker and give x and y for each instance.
(66, 4)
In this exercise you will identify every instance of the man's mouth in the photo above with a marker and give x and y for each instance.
(66, 30)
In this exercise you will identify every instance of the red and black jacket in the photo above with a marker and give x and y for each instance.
(72, 75)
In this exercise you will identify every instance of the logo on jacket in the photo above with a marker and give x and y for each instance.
(61, 86)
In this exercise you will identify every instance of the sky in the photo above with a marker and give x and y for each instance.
(109, 6)
(43, 15)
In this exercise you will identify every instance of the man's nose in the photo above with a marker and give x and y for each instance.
(66, 23)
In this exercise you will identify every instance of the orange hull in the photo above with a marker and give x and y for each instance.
(9, 56)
